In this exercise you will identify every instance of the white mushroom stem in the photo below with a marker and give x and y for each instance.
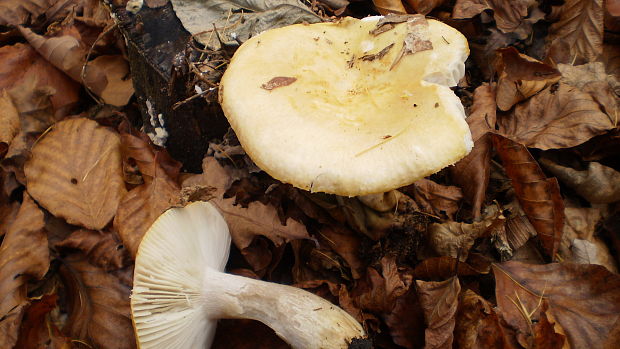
(301, 318)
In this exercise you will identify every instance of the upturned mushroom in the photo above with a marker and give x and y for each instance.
(180, 290)
(352, 107)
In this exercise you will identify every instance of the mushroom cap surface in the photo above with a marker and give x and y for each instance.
(166, 305)
(329, 107)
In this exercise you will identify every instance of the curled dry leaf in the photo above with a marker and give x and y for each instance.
(143, 204)
(37, 329)
(346, 244)
(577, 36)
(439, 301)
(539, 196)
(560, 116)
(586, 252)
(519, 230)
(34, 104)
(472, 172)
(513, 16)
(477, 324)
(98, 305)
(424, 7)
(24, 255)
(433, 198)
(247, 17)
(583, 300)
(9, 120)
(597, 183)
(444, 267)
(454, 239)
(21, 63)
(520, 77)
(75, 172)
(106, 76)
(15, 12)
(406, 321)
(101, 248)
(379, 290)
(385, 7)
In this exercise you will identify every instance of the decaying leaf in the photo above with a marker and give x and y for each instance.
(454, 239)
(21, 64)
(439, 301)
(424, 7)
(519, 230)
(406, 320)
(75, 172)
(560, 116)
(34, 104)
(258, 219)
(385, 7)
(14, 12)
(586, 252)
(472, 172)
(24, 255)
(520, 77)
(143, 204)
(379, 290)
(583, 300)
(477, 324)
(99, 311)
(101, 248)
(433, 198)
(513, 16)
(444, 267)
(577, 36)
(597, 183)
(539, 196)
(232, 22)
(37, 329)
(9, 119)
(106, 76)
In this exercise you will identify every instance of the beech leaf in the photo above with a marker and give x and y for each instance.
(539, 196)
(510, 16)
(477, 324)
(578, 31)
(99, 311)
(24, 255)
(439, 301)
(583, 299)
(102, 248)
(75, 172)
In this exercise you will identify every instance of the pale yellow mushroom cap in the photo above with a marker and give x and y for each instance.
(330, 107)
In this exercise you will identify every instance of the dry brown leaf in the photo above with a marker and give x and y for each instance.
(477, 324)
(514, 16)
(143, 204)
(425, 6)
(346, 244)
(379, 290)
(9, 119)
(24, 255)
(235, 334)
(385, 7)
(34, 104)
(581, 222)
(597, 183)
(75, 172)
(520, 77)
(583, 299)
(560, 116)
(98, 305)
(586, 252)
(106, 76)
(577, 36)
(21, 62)
(433, 198)
(406, 321)
(439, 301)
(258, 219)
(519, 230)
(444, 267)
(594, 80)
(472, 172)
(14, 12)
(103, 249)
(37, 330)
(539, 196)
(611, 59)
(454, 239)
